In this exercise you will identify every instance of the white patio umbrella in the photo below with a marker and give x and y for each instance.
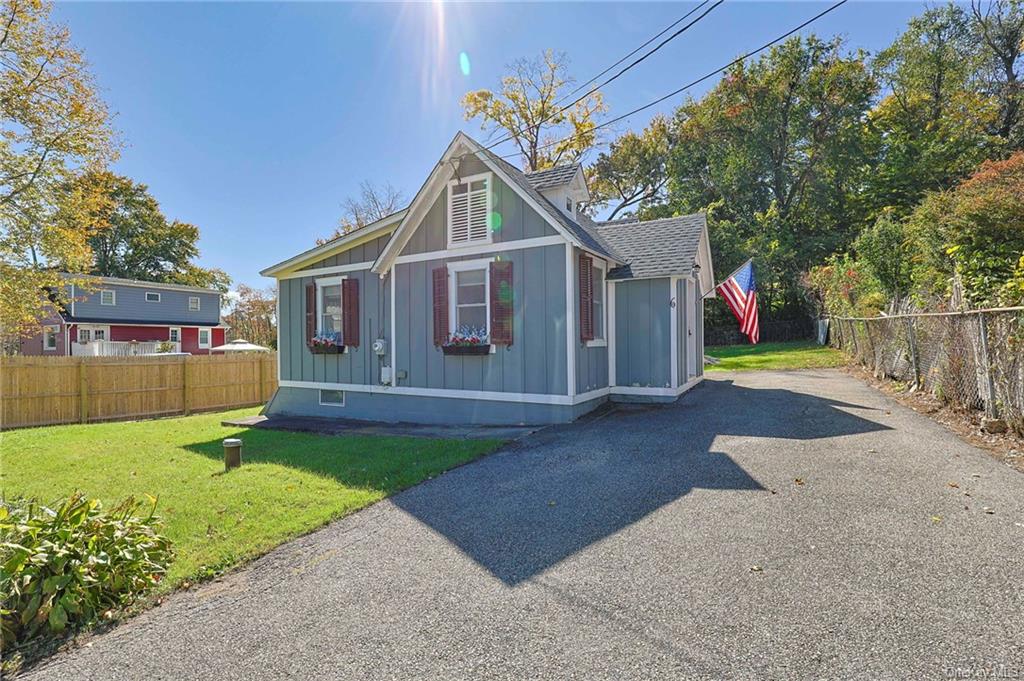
(239, 345)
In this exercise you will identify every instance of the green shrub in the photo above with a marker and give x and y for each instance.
(63, 567)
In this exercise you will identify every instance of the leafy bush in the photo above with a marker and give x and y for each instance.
(66, 566)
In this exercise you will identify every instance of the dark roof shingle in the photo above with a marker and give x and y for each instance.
(552, 177)
(655, 248)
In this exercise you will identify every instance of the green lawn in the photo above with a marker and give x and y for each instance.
(796, 355)
(289, 483)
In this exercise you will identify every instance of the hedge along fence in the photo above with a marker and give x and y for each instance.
(779, 331)
(39, 391)
(972, 360)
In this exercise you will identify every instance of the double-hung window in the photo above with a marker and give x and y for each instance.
(204, 338)
(108, 297)
(193, 304)
(50, 338)
(328, 306)
(598, 283)
(469, 209)
(469, 297)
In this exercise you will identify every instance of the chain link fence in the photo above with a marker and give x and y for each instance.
(973, 361)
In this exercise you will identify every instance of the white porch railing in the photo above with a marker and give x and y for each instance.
(105, 348)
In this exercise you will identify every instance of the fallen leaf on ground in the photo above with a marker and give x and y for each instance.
(756, 568)
(954, 485)
(799, 481)
(936, 519)
(988, 510)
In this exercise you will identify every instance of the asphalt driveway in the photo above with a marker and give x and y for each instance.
(771, 524)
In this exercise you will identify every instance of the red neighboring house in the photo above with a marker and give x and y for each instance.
(128, 317)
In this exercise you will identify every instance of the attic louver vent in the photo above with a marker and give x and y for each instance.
(468, 207)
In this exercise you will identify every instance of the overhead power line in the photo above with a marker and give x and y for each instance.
(691, 84)
(559, 109)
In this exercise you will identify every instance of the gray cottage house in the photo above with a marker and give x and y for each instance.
(492, 300)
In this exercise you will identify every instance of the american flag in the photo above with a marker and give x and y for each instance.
(740, 295)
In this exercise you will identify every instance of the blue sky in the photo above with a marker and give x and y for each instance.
(255, 120)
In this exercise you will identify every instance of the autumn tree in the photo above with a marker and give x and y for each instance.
(633, 174)
(533, 108)
(253, 316)
(776, 147)
(935, 124)
(131, 238)
(374, 202)
(54, 126)
(998, 29)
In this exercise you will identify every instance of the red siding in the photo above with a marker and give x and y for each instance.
(190, 340)
(139, 333)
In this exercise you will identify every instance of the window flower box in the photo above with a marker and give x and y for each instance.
(466, 349)
(326, 344)
(467, 341)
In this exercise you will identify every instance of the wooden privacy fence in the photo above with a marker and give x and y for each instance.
(39, 391)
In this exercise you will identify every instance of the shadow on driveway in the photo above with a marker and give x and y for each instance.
(562, 489)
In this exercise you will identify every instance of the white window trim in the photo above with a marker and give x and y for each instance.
(92, 328)
(199, 337)
(489, 177)
(465, 266)
(147, 294)
(113, 297)
(173, 328)
(199, 304)
(320, 283)
(320, 397)
(603, 341)
(55, 330)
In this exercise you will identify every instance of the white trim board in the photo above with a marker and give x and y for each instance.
(321, 271)
(530, 398)
(481, 249)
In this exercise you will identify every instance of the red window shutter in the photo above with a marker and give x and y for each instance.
(586, 270)
(310, 312)
(502, 307)
(440, 275)
(350, 312)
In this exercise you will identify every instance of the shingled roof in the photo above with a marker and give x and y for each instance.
(552, 177)
(655, 248)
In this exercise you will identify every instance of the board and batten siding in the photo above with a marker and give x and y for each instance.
(534, 363)
(365, 252)
(642, 333)
(358, 365)
(517, 219)
(591, 361)
(130, 305)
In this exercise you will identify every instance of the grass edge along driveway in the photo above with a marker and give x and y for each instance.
(288, 485)
(791, 355)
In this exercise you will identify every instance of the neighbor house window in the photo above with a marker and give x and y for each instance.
(469, 208)
(598, 279)
(204, 338)
(174, 335)
(84, 335)
(152, 297)
(108, 297)
(469, 299)
(50, 337)
(193, 303)
(99, 334)
(333, 398)
(328, 306)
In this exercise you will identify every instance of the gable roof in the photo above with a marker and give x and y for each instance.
(655, 248)
(553, 177)
(513, 177)
(586, 236)
(343, 242)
